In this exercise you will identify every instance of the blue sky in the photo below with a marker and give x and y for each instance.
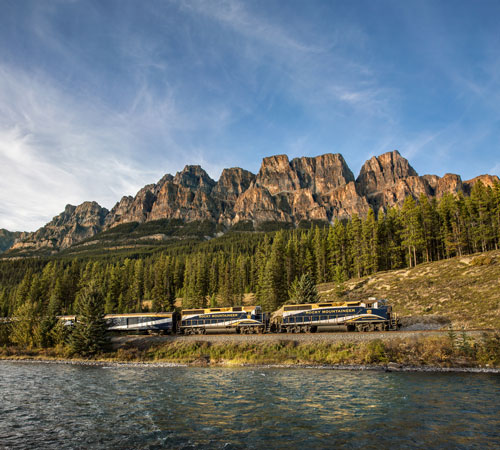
(99, 98)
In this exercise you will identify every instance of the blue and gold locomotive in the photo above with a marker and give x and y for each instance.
(242, 319)
(370, 315)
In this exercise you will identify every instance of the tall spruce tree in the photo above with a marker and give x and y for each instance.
(412, 232)
(25, 328)
(89, 336)
(303, 290)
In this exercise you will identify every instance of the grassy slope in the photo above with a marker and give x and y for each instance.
(465, 290)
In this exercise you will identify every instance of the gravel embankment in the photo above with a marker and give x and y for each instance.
(331, 337)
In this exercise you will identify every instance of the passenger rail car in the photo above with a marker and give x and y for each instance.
(372, 315)
(369, 315)
(163, 322)
(243, 319)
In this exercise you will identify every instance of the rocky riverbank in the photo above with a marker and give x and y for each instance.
(430, 351)
(391, 367)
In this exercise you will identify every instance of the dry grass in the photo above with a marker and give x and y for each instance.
(466, 290)
(454, 350)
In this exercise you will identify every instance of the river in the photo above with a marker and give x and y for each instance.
(71, 406)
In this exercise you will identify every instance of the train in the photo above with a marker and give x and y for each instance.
(369, 315)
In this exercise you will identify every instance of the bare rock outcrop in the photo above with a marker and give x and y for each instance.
(344, 202)
(383, 171)
(486, 180)
(303, 189)
(73, 225)
(186, 196)
(322, 174)
(7, 239)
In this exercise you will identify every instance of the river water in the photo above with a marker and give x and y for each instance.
(67, 406)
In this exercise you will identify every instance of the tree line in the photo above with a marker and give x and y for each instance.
(221, 271)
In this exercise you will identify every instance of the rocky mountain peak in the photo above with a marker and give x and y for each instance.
(233, 182)
(303, 189)
(74, 224)
(322, 173)
(486, 180)
(276, 175)
(382, 171)
(7, 238)
(194, 177)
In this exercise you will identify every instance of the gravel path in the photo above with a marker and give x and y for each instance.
(334, 336)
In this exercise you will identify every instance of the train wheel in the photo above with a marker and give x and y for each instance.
(238, 330)
(314, 328)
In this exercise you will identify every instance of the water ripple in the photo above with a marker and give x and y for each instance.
(59, 406)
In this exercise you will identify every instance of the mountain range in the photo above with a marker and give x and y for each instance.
(306, 189)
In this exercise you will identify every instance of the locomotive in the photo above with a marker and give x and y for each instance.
(243, 319)
(369, 315)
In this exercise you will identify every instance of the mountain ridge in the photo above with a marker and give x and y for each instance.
(7, 239)
(320, 188)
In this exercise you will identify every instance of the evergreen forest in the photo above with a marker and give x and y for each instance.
(220, 271)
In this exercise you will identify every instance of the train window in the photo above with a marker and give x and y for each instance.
(193, 311)
(297, 308)
(321, 305)
(132, 320)
(237, 308)
(214, 309)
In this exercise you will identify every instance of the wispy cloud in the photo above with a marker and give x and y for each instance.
(55, 150)
(101, 98)
(316, 68)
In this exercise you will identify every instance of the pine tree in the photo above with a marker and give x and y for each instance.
(320, 255)
(356, 245)
(370, 243)
(25, 326)
(412, 233)
(303, 290)
(89, 336)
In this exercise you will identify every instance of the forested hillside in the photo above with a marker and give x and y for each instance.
(220, 271)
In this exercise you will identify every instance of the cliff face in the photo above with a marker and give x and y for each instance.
(74, 224)
(7, 238)
(307, 188)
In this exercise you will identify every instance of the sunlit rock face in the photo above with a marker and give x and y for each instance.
(304, 189)
(73, 225)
